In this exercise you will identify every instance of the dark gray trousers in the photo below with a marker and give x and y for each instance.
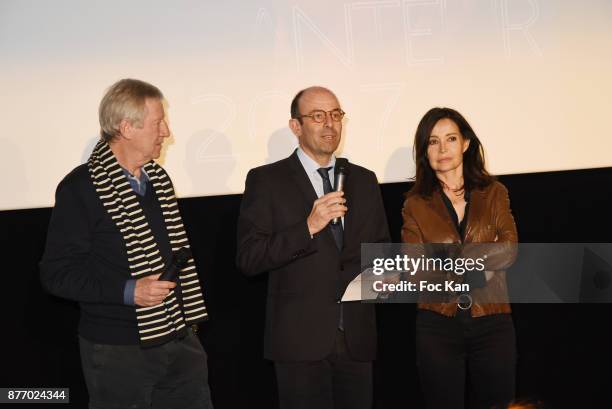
(336, 382)
(173, 375)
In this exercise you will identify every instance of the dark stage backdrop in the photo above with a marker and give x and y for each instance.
(564, 350)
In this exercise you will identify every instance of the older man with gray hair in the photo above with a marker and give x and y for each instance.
(115, 228)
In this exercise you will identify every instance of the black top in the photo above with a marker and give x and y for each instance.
(476, 279)
(453, 214)
(85, 258)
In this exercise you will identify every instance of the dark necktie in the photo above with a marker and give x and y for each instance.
(336, 229)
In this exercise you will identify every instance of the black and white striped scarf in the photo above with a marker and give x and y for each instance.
(160, 323)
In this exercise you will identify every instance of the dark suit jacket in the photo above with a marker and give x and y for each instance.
(308, 276)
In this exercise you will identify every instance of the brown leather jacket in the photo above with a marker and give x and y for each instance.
(426, 220)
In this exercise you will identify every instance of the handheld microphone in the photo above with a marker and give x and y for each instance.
(179, 260)
(340, 173)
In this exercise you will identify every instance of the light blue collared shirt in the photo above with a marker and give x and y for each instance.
(311, 167)
(138, 185)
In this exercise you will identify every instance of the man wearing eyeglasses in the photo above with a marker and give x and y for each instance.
(322, 349)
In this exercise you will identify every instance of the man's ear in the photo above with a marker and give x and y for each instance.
(296, 127)
(125, 129)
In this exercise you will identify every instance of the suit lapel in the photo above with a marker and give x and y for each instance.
(302, 181)
(349, 195)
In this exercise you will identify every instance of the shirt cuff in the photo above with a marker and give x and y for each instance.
(128, 292)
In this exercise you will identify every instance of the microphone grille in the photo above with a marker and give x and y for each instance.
(341, 166)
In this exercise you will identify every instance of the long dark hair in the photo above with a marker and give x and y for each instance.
(474, 173)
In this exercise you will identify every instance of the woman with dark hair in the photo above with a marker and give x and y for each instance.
(467, 338)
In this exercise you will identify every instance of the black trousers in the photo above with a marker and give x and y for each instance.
(336, 382)
(460, 353)
(173, 375)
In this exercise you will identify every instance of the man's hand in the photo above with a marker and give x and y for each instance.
(149, 292)
(391, 278)
(324, 209)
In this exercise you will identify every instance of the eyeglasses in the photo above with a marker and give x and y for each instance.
(319, 116)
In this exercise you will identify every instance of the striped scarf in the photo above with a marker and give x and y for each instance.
(162, 322)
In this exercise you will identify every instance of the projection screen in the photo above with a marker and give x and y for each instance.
(532, 76)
